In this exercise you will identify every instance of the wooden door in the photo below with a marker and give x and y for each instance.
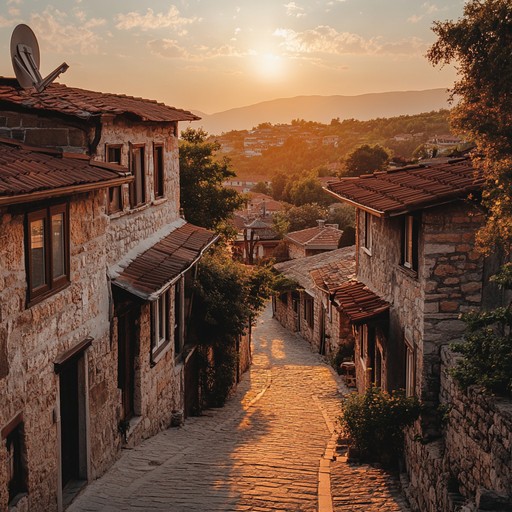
(126, 361)
(69, 422)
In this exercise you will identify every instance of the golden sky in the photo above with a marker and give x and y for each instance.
(212, 56)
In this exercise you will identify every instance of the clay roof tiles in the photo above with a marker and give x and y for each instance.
(331, 276)
(27, 172)
(151, 272)
(398, 191)
(85, 104)
(319, 236)
(358, 302)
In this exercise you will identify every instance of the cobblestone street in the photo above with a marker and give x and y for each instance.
(268, 449)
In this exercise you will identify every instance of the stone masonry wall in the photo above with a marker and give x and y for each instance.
(295, 251)
(472, 461)
(285, 314)
(35, 336)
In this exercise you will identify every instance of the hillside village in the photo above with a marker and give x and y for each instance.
(104, 309)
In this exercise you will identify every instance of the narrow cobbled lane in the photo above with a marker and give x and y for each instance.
(267, 449)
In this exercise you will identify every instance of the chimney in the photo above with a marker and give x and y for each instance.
(321, 223)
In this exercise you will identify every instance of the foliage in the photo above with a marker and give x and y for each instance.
(228, 297)
(261, 187)
(204, 200)
(366, 159)
(487, 350)
(374, 421)
(296, 218)
(342, 214)
(306, 190)
(480, 43)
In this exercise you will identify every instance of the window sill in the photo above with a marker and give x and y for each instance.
(158, 354)
(413, 274)
(39, 298)
(159, 201)
(366, 250)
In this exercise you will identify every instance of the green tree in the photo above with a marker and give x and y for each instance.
(307, 190)
(480, 44)
(204, 200)
(261, 187)
(366, 159)
(296, 218)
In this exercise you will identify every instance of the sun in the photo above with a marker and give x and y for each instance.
(269, 67)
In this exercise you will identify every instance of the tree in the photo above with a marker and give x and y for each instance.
(366, 159)
(298, 217)
(307, 190)
(480, 43)
(204, 200)
(261, 187)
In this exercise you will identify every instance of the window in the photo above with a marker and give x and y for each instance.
(410, 242)
(283, 297)
(48, 251)
(158, 170)
(179, 295)
(410, 369)
(367, 240)
(160, 323)
(309, 315)
(138, 186)
(16, 467)
(115, 199)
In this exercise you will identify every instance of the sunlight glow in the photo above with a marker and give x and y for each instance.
(269, 66)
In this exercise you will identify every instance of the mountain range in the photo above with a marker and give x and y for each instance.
(324, 108)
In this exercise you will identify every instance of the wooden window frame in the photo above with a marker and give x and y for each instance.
(111, 208)
(52, 285)
(158, 170)
(160, 325)
(410, 242)
(134, 185)
(410, 368)
(179, 303)
(367, 239)
(13, 435)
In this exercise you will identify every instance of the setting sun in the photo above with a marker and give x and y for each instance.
(269, 67)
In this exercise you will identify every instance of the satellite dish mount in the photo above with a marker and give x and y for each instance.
(25, 60)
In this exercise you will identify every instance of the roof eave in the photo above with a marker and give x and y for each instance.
(377, 213)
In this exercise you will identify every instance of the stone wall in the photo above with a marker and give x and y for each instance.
(35, 336)
(285, 313)
(472, 461)
(295, 250)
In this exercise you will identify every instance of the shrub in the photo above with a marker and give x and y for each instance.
(375, 420)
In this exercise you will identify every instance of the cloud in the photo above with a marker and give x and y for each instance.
(292, 9)
(152, 20)
(327, 40)
(67, 33)
(427, 9)
(14, 2)
(170, 49)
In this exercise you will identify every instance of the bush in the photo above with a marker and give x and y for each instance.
(375, 420)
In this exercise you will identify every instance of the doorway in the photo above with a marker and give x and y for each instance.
(126, 361)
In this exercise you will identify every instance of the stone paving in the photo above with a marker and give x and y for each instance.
(268, 449)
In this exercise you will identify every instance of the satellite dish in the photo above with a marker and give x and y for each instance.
(25, 60)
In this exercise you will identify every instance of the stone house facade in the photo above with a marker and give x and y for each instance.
(415, 254)
(311, 241)
(95, 293)
(309, 308)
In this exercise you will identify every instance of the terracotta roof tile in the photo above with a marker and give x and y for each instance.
(300, 269)
(398, 191)
(157, 267)
(320, 237)
(84, 104)
(25, 171)
(333, 275)
(358, 302)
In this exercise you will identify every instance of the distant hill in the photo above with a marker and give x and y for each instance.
(324, 108)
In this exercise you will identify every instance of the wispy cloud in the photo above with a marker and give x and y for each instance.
(170, 49)
(151, 20)
(292, 9)
(327, 40)
(67, 33)
(427, 9)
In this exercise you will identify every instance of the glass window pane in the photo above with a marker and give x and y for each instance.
(37, 254)
(58, 254)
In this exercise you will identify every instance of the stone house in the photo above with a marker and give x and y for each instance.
(311, 241)
(95, 272)
(416, 271)
(310, 309)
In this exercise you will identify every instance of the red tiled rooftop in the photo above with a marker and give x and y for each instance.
(399, 191)
(358, 302)
(332, 276)
(326, 236)
(26, 172)
(85, 104)
(156, 268)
